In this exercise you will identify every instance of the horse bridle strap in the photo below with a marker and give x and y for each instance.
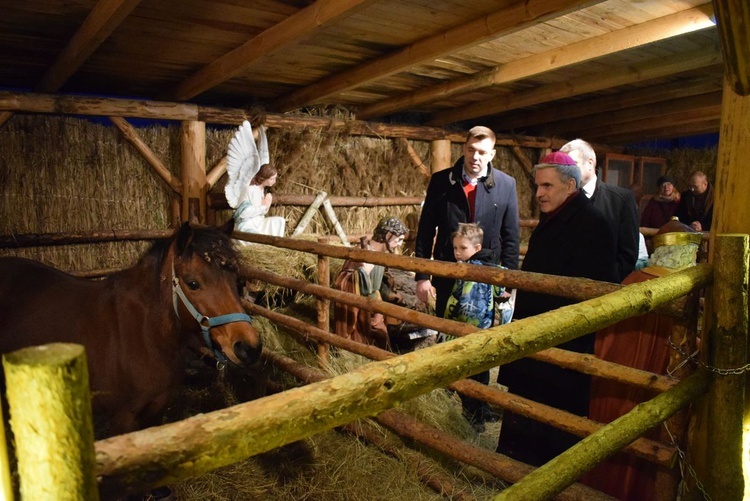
(206, 323)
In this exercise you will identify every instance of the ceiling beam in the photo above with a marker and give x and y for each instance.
(614, 119)
(103, 19)
(291, 30)
(711, 125)
(508, 20)
(733, 22)
(554, 114)
(641, 72)
(709, 113)
(592, 48)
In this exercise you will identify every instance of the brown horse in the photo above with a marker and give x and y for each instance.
(136, 323)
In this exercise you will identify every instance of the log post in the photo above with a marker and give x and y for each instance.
(50, 415)
(323, 306)
(441, 155)
(6, 484)
(728, 350)
(193, 139)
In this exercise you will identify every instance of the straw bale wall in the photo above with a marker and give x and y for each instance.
(75, 174)
(683, 162)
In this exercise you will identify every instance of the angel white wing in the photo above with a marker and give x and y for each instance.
(244, 161)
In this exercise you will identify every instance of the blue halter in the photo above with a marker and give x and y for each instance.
(206, 323)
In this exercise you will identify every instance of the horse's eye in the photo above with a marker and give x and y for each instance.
(193, 285)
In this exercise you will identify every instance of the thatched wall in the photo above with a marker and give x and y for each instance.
(683, 162)
(71, 174)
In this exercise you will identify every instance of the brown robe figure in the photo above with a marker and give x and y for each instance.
(643, 343)
(366, 280)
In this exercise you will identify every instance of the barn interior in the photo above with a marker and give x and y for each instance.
(115, 117)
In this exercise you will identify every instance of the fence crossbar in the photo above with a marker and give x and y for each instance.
(202, 443)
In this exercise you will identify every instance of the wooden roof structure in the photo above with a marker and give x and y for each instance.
(610, 71)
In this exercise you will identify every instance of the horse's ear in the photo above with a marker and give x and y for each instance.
(228, 227)
(184, 237)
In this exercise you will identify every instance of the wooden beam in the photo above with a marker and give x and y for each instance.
(733, 23)
(650, 115)
(627, 38)
(440, 150)
(505, 21)
(672, 130)
(103, 19)
(524, 162)
(133, 138)
(641, 72)
(164, 110)
(561, 112)
(415, 158)
(193, 140)
(291, 30)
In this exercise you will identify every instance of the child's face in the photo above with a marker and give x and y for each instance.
(463, 249)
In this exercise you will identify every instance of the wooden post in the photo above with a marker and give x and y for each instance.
(728, 350)
(441, 155)
(6, 484)
(323, 306)
(50, 415)
(193, 138)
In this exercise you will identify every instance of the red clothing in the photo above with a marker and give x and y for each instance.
(639, 342)
(658, 212)
(471, 196)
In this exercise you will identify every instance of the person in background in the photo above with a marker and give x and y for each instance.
(250, 215)
(366, 279)
(472, 191)
(573, 239)
(641, 342)
(696, 207)
(661, 207)
(474, 303)
(617, 204)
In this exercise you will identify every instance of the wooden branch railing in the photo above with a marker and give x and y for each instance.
(647, 449)
(205, 442)
(410, 428)
(80, 237)
(587, 364)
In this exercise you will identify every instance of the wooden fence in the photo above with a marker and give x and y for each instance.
(160, 455)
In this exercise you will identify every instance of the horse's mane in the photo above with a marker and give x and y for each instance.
(212, 244)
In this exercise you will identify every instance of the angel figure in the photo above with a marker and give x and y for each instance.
(250, 177)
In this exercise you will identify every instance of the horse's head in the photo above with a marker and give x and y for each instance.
(205, 293)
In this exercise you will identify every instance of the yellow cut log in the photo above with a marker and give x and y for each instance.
(50, 415)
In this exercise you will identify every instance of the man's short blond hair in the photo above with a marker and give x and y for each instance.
(481, 132)
(470, 231)
(582, 147)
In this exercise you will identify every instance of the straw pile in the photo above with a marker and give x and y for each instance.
(330, 465)
(681, 163)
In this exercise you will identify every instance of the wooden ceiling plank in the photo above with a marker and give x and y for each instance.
(104, 18)
(291, 30)
(508, 20)
(661, 28)
(673, 130)
(637, 97)
(546, 93)
(647, 111)
(733, 23)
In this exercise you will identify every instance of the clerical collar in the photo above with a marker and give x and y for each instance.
(589, 187)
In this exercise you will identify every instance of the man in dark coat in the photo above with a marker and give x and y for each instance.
(696, 207)
(573, 239)
(471, 191)
(616, 203)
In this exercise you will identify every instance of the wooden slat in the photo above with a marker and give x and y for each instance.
(564, 112)
(627, 75)
(104, 18)
(504, 21)
(627, 38)
(291, 30)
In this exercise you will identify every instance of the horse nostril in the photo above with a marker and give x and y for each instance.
(246, 353)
